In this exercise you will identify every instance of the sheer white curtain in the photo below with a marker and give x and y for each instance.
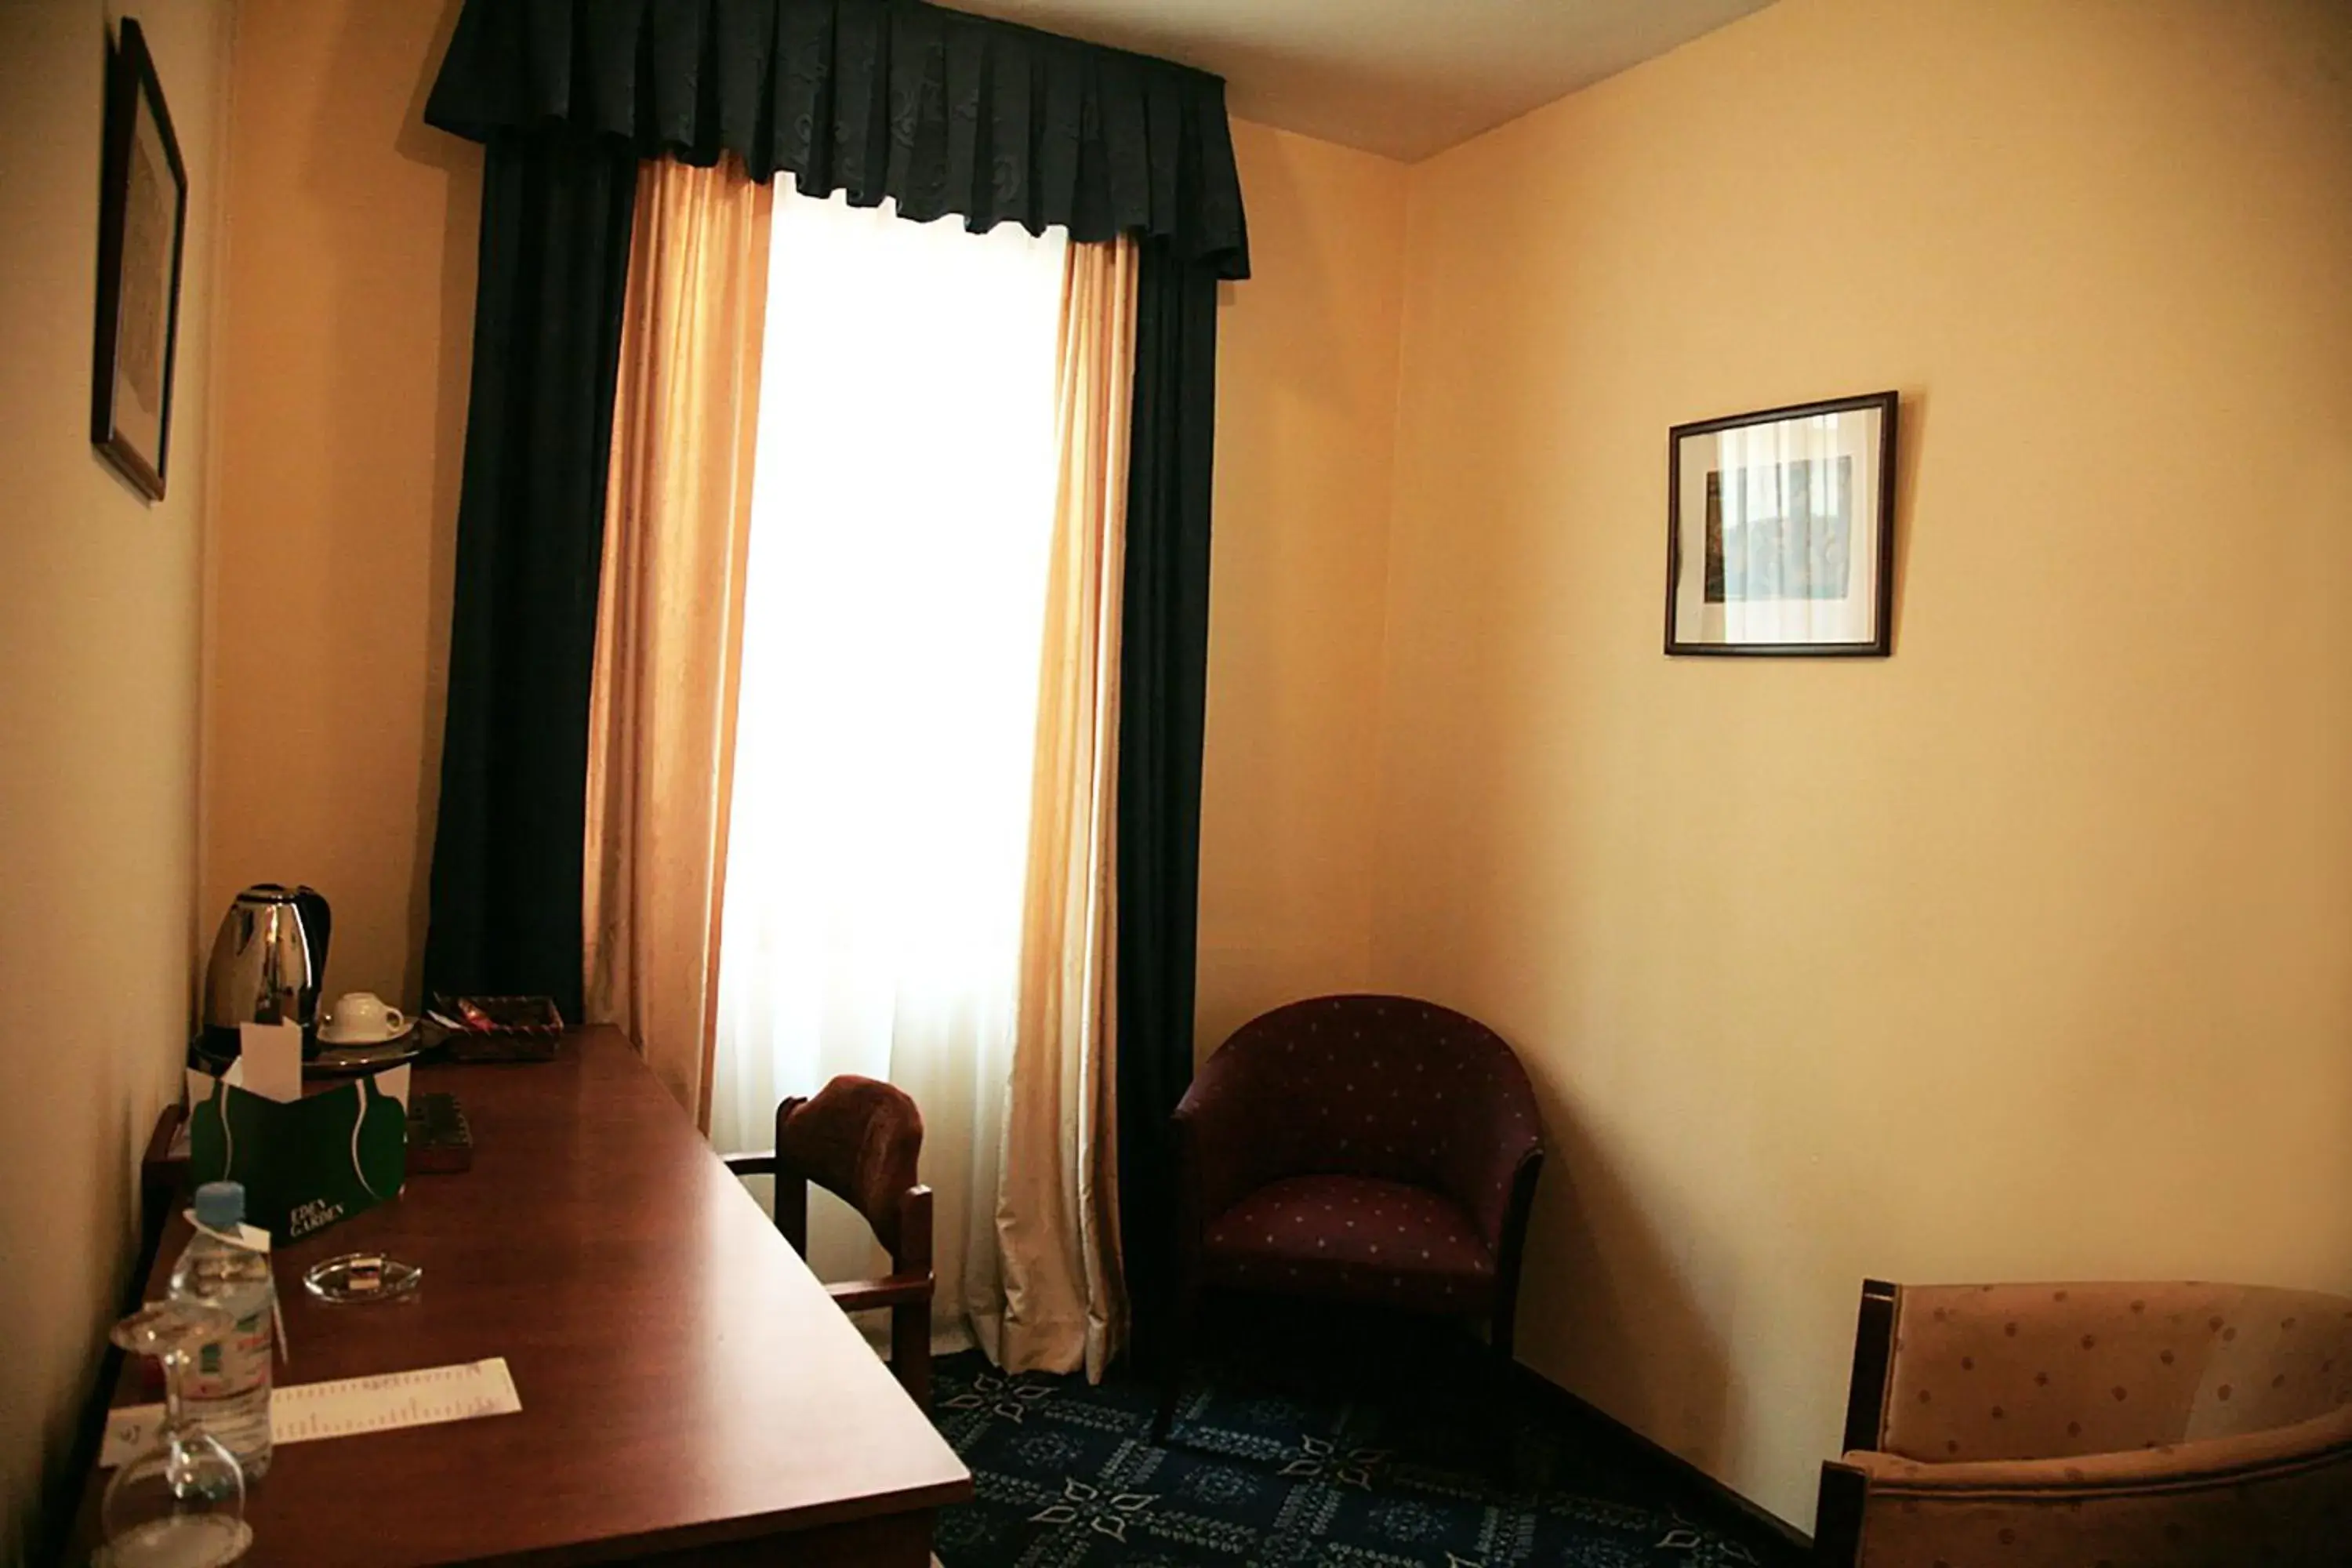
(901, 516)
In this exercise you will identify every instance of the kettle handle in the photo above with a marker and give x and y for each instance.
(317, 918)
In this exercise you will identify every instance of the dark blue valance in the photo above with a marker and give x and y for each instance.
(941, 111)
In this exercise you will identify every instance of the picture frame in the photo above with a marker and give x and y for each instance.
(1780, 531)
(143, 219)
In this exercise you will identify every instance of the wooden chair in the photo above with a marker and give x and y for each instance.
(861, 1139)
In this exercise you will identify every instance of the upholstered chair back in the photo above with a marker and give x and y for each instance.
(2017, 1372)
(859, 1139)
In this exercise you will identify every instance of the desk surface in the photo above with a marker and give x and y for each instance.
(686, 1383)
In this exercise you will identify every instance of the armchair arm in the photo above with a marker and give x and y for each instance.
(2217, 1461)
(1492, 1148)
(1238, 1126)
(1220, 1158)
(1494, 1178)
(2282, 1497)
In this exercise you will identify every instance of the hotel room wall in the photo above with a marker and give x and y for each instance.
(1306, 389)
(349, 310)
(347, 315)
(99, 675)
(2026, 953)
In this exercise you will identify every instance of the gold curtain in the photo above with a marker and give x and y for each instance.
(1057, 1207)
(669, 619)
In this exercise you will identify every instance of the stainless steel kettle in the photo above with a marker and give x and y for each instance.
(269, 963)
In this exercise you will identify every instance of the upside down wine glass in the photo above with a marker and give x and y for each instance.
(179, 1502)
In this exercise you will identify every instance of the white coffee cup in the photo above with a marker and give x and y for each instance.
(362, 1018)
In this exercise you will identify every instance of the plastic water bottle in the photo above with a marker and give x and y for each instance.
(227, 1390)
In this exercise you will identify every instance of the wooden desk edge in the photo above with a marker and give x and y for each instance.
(801, 1534)
(848, 1531)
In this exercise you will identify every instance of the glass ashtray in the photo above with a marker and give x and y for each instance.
(355, 1277)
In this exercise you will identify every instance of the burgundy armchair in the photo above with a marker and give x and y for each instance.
(1375, 1150)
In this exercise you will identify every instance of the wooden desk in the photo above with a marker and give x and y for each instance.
(689, 1393)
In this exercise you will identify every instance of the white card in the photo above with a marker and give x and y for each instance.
(272, 1055)
(350, 1406)
(251, 1237)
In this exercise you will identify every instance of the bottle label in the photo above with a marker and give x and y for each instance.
(234, 1366)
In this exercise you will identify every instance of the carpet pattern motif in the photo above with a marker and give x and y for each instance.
(1067, 1476)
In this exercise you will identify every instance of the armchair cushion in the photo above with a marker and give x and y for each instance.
(1356, 1238)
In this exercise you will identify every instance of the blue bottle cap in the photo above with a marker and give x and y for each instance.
(220, 1206)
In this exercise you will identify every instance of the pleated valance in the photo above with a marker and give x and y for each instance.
(941, 111)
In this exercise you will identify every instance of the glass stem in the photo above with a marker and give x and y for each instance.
(176, 1363)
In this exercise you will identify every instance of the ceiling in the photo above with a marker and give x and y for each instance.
(1403, 78)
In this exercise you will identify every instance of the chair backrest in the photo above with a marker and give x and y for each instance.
(1375, 1085)
(859, 1139)
(2071, 1369)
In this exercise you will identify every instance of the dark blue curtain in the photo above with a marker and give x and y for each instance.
(1163, 694)
(507, 857)
(941, 111)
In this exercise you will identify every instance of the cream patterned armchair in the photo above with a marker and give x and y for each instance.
(2095, 1427)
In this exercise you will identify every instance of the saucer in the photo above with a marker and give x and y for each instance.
(362, 1042)
(355, 1056)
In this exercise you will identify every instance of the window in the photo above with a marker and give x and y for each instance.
(902, 513)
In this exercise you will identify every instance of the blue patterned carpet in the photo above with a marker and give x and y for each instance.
(1282, 1470)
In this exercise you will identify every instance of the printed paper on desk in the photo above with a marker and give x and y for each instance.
(349, 1407)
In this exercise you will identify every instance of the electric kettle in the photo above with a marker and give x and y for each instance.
(267, 964)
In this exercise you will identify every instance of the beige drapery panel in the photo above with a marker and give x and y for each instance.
(1057, 1208)
(669, 616)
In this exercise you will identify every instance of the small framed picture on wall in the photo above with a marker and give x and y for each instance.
(142, 215)
(1780, 531)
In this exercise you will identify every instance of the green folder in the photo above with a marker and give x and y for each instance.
(305, 1162)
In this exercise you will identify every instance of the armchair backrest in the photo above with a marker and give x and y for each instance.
(2058, 1371)
(1369, 1086)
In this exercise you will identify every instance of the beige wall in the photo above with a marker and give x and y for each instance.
(98, 729)
(1307, 387)
(348, 323)
(2026, 953)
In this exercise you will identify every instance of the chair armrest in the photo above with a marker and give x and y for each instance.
(1220, 1158)
(1496, 1186)
(865, 1295)
(1488, 1144)
(2282, 1497)
(761, 1164)
(2214, 1461)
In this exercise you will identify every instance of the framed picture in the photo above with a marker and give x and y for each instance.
(143, 216)
(1780, 531)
